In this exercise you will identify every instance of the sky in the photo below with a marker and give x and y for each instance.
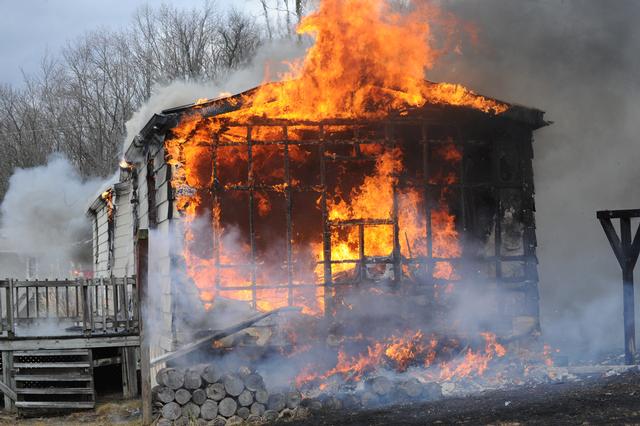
(31, 28)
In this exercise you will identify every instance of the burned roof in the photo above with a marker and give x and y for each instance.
(532, 118)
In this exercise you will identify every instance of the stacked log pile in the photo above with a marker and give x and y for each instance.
(205, 395)
(378, 391)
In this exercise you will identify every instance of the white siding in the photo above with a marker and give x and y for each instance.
(101, 242)
(123, 258)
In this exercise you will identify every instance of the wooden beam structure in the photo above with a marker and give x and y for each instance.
(626, 248)
(142, 275)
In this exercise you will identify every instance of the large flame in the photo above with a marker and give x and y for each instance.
(366, 62)
(410, 349)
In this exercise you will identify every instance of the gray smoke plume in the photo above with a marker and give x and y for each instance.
(43, 216)
(578, 61)
(270, 60)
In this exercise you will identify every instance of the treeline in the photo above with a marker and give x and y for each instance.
(80, 99)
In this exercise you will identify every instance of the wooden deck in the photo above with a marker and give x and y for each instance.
(44, 325)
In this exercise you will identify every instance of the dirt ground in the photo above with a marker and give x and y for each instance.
(612, 400)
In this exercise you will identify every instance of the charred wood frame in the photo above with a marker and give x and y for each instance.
(495, 177)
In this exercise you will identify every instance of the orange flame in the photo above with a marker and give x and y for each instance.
(410, 349)
(367, 61)
(473, 362)
(107, 196)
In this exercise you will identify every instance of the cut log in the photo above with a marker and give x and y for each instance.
(254, 419)
(233, 384)
(164, 422)
(261, 396)
(192, 379)
(381, 385)
(160, 375)
(191, 411)
(411, 388)
(253, 382)
(235, 421)
(245, 399)
(293, 399)
(182, 396)
(199, 396)
(227, 407)
(257, 409)
(163, 394)
(209, 410)
(171, 411)
(271, 415)
(244, 371)
(218, 421)
(276, 402)
(332, 403)
(171, 378)
(244, 412)
(211, 374)
(216, 391)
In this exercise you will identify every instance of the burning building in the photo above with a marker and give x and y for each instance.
(300, 212)
(368, 197)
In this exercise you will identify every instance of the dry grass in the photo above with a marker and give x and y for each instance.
(114, 412)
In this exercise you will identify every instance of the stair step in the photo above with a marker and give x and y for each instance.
(65, 377)
(52, 352)
(78, 364)
(55, 404)
(54, 391)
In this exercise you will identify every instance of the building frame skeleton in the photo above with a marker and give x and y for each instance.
(508, 142)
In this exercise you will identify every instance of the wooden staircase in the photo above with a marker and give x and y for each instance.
(53, 379)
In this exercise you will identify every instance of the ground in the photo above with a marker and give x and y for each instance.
(612, 400)
(609, 400)
(109, 411)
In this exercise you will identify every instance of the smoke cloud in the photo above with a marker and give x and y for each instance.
(578, 61)
(270, 60)
(43, 216)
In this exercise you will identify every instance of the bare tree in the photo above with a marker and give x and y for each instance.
(78, 102)
(283, 15)
(239, 40)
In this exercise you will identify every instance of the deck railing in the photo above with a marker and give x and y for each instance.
(96, 306)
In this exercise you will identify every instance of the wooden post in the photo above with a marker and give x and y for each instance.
(86, 307)
(11, 329)
(7, 367)
(129, 374)
(142, 277)
(626, 252)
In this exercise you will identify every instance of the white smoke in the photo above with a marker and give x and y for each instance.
(43, 215)
(576, 60)
(271, 59)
